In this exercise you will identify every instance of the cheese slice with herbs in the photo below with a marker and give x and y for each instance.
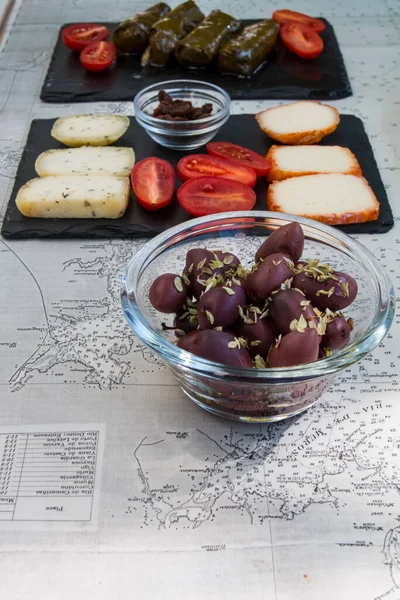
(74, 197)
(86, 161)
(90, 130)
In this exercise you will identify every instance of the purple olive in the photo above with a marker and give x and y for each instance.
(168, 293)
(259, 335)
(347, 290)
(268, 276)
(337, 334)
(295, 348)
(187, 340)
(287, 305)
(219, 307)
(184, 322)
(288, 239)
(194, 260)
(229, 260)
(334, 293)
(197, 286)
(219, 346)
(197, 260)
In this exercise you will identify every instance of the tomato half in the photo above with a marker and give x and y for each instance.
(77, 37)
(98, 56)
(240, 156)
(301, 40)
(207, 195)
(285, 15)
(202, 165)
(153, 181)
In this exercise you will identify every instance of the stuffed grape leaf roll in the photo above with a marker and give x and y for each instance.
(243, 54)
(166, 33)
(132, 35)
(201, 46)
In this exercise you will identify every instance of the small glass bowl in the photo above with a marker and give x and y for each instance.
(245, 394)
(182, 135)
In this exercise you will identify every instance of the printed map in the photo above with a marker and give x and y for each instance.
(341, 454)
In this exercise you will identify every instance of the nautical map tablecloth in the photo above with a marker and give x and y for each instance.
(192, 506)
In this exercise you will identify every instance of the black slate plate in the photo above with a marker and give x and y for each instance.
(137, 222)
(285, 76)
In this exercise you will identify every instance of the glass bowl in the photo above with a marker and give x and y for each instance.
(246, 394)
(182, 135)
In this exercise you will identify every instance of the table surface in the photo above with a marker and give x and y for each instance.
(186, 508)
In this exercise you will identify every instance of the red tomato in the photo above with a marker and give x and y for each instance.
(77, 37)
(208, 195)
(98, 56)
(240, 156)
(301, 40)
(285, 15)
(201, 165)
(153, 181)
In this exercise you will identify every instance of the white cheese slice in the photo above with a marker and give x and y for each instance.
(301, 116)
(86, 160)
(90, 130)
(292, 161)
(331, 198)
(74, 196)
(318, 159)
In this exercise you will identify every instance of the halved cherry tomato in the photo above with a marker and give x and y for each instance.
(77, 37)
(98, 56)
(201, 165)
(301, 40)
(207, 195)
(153, 181)
(285, 15)
(240, 156)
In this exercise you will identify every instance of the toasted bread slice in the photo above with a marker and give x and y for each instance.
(74, 197)
(335, 199)
(303, 122)
(295, 161)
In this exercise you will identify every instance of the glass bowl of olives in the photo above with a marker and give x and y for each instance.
(256, 313)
